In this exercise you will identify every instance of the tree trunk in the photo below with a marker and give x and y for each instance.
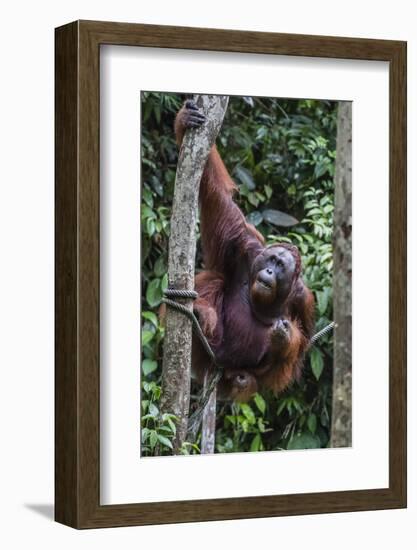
(208, 430)
(341, 435)
(176, 366)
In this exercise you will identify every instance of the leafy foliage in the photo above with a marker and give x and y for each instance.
(281, 154)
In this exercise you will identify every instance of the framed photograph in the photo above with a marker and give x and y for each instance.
(230, 274)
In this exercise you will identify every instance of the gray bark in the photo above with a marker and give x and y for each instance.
(208, 430)
(176, 366)
(341, 434)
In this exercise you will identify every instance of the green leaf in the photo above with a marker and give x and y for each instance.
(312, 423)
(154, 293)
(243, 190)
(245, 425)
(150, 227)
(248, 412)
(165, 441)
(245, 177)
(255, 218)
(164, 282)
(268, 191)
(145, 434)
(157, 185)
(148, 213)
(317, 363)
(320, 169)
(160, 267)
(261, 133)
(260, 403)
(253, 199)
(150, 316)
(149, 366)
(147, 386)
(172, 426)
(153, 438)
(153, 410)
(147, 417)
(147, 196)
(261, 425)
(292, 190)
(314, 212)
(278, 218)
(322, 301)
(303, 440)
(147, 336)
(165, 429)
(256, 443)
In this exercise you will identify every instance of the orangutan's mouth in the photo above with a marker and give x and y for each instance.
(263, 283)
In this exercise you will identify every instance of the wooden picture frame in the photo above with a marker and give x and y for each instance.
(77, 382)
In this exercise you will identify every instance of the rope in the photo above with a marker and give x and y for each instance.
(190, 294)
(196, 418)
(322, 332)
(177, 293)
